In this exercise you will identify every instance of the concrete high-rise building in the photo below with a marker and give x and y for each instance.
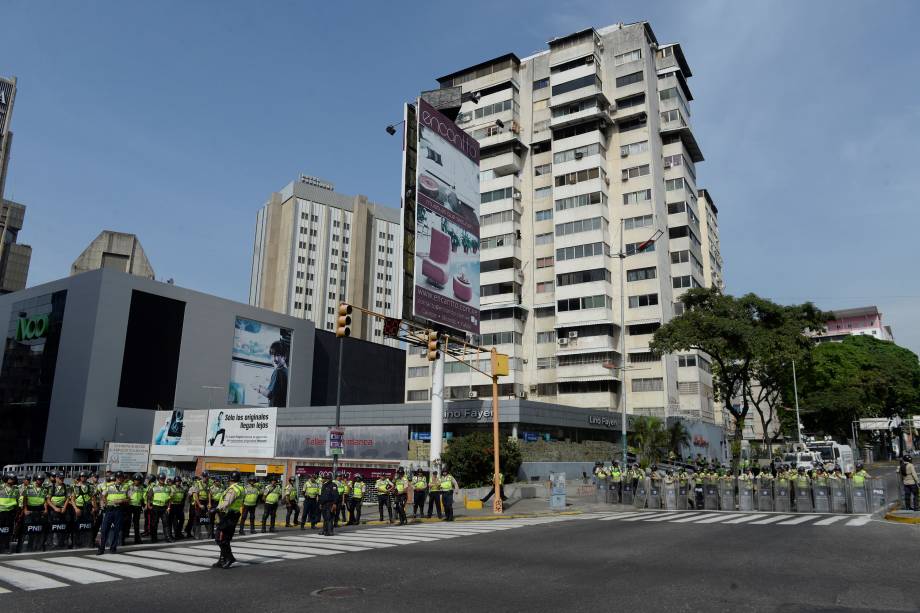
(7, 97)
(853, 322)
(14, 257)
(586, 146)
(116, 250)
(315, 248)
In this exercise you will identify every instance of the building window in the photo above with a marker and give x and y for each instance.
(652, 384)
(582, 251)
(414, 395)
(541, 83)
(585, 302)
(545, 262)
(546, 337)
(682, 282)
(542, 312)
(643, 329)
(543, 192)
(633, 248)
(643, 221)
(635, 171)
(643, 195)
(572, 178)
(629, 56)
(496, 194)
(634, 148)
(579, 153)
(581, 225)
(585, 81)
(643, 357)
(418, 371)
(642, 274)
(674, 184)
(629, 79)
(542, 169)
(543, 239)
(543, 215)
(583, 276)
(545, 363)
(544, 287)
(631, 101)
(685, 361)
(579, 201)
(643, 300)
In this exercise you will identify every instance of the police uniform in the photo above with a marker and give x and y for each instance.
(177, 508)
(434, 494)
(58, 505)
(328, 496)
(419, 487)
(158, 501)
(215, 491)
(250, 502)
(384, 487)
(231, 502)
(131, 512)
(9, 501)
(401, 488)
(81, 512)
(193, 495)
(310, 502)
(271, 495)
(448, 484)
(114, 497)
(291, 503)
(34, 521)
(342, 489)
(356, 501)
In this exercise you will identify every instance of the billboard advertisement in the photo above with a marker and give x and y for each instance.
(445, 236)
(259, 364)
(178, 432)
(359, 442)
(241, 433)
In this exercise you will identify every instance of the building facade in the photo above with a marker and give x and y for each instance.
(7, 97)
(587, 153)
(14, 257)
(860, 320)
(117, 250)
(315, 248)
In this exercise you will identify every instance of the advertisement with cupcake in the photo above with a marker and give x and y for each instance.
(446, 223)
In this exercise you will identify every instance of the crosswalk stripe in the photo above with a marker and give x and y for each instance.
(645, 515)
(27, 581)
(77, 575)
(213, 549)
(694, 517)
(326, 544)
(830, 520)
(770, 520)
(289, 546)
(746, 518)
(200, 559)
(387, 540)
(665, 517)
(338, 540)
(420, 535)
(113, 568)
(619, 515)
(859, 521)
(173, 567)
(718, 518)
(263, 551)
(798, 520)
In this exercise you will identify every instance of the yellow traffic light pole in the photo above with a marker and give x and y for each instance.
(342, 330)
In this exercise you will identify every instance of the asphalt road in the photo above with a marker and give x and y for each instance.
(593, 562)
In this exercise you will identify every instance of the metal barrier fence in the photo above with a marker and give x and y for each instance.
(824, 496)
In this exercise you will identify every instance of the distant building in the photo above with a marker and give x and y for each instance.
(117, 250)
(7, 97)
(861, 320)
(14, 258)
(315, 248)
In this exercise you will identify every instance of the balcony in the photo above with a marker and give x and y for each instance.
(586, 372)
(503, 164)
(681, 128)
(582, 344)
(597, 111)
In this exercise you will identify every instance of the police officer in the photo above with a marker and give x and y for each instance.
(291, 503)
(231, 502)
(215, 491)
(196, 490)
(113, 500)
(341, 487)
(328, 497)
(158, 501)
(310, 513)
(58, 506)
(9, 500)
(434, 494)
(177, 508)
(81, 510)
(131, 512)
(356, 501)
(384, 488)
(401, 489)
(34, 514)
(448, 485)
(271, 495)
(419, 487)
(616, 481)
(250, 502)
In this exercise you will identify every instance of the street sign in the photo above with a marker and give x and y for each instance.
(875, 423)
(335, 442)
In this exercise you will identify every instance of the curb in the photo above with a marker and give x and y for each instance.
(902, 520)
(467, 518)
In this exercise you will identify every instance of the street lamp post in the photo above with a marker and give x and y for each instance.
(795, 388)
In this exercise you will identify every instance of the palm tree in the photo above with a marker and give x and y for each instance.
(650, 438)
(678, 437)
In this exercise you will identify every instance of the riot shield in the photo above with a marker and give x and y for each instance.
(654, 494)
(765, 496)
(822, 497)
(803, 502)
(877, 498)
(838, 494)
(727, 495)
(33, 532)
(711, 491)
(781, 496)
(670, 497)
(613, 493)
(626, 496)
(600, 489)
(699, 495)
(859, 502)
(745, 496)
(57, 525)
(683, 493)
(641, 493)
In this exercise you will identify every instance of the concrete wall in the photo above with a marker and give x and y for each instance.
(538, 472)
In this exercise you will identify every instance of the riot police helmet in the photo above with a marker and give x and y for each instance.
(119, 475)
(235, 476)
(138, 477)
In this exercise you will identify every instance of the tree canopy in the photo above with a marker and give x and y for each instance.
(469, 459)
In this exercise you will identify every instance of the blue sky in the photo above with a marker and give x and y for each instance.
(176, 120)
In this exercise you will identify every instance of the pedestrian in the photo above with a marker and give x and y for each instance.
(434, 494)
(909, 480)
(356, 501)
(311, 489)
(271, 495)
(158, 501)
(501, 484)
(132, 510)
(112, 502)
(384, 487)
(291, 503)
(448, 485)
(419, 487)
(401, 490)
(228, 509)
(328, 498)
(250, 502)
(9, 499)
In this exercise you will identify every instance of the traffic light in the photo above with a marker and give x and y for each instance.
(343, 324)
(434, 346)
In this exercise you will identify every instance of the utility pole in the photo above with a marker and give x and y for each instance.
(795, 388)
(342, 330)
(436, 355)
(497, 369)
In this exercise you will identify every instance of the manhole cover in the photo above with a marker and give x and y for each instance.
(338, 592)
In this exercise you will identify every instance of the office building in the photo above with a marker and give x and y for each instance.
(7, 97)
(315, 248)
(856, 321)
(14, 257)
(586, 150)
(117, 250)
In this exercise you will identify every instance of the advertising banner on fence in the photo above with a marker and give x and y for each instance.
(241, 433)
(360, 442)
(369, 475)
(446, 283)
(178, 433)
(127, 457)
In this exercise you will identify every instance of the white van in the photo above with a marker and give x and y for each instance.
(802, 459)
(835, 453)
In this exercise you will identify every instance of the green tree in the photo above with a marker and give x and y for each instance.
(650, 438)
(470, 459)
(736, 333)
(858, 377)
(678, 437)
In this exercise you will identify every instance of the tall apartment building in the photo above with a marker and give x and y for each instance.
(585, 145)
(315, 248)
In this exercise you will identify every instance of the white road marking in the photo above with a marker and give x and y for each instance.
(770, 520)
(113, 568)
(830, 520)
(719, 517)
(201, 560)
(798, 520)
(214, 549)
(76, 575)
(619, 516)
(859, 521)
(326, 544)
(27, 581)
(321, 541)
(173, 567)
(665, 517)
(693, 517)
(746, 518)
(645, 515)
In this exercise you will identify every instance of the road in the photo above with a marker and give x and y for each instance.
(648, 561)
